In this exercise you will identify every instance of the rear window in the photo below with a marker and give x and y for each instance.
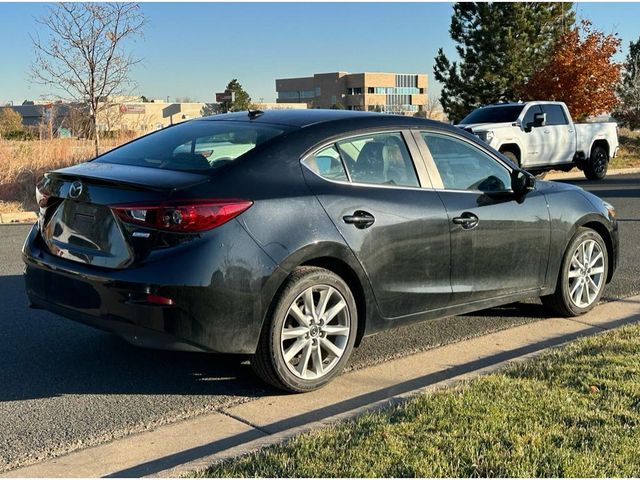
(199, 145)
(497, 114)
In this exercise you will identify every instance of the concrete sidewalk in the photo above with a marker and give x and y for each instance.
(194, 444)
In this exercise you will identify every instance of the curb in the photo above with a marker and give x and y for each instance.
(195, 444)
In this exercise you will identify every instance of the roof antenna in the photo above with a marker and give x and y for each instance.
(254, 113)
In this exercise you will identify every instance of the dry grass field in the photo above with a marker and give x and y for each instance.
(22, 164)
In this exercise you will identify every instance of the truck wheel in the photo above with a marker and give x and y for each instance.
(596, 166)
(309, 333)
(511, 156)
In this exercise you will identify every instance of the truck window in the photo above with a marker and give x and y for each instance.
(493, 114)
(555, 115)
(528, 117)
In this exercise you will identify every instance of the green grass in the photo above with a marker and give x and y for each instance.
(574, 411)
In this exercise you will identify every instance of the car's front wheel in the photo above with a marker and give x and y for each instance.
(582, 276)
(309, 333)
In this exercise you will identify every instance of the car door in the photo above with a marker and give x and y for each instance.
(535, 151)
(561, 137)
(372, 191)
(499, 243)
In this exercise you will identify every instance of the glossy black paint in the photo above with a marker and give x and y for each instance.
(412, 264)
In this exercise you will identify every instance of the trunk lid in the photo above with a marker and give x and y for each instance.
(78, 224)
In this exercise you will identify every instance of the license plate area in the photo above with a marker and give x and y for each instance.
(87, 233)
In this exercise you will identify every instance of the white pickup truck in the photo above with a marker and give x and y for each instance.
(540, 136)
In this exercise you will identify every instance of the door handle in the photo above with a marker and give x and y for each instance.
(360, 219)
(467, 220)
(547, 131)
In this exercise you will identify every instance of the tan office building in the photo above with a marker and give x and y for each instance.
(382, 92)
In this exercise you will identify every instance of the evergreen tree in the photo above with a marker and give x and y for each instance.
(500, 46)
(241, 99)
(628, 111)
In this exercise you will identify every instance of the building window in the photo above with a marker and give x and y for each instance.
(357, 91)
(333, 99)
(317, 91)
(371, 90)
(289, 95)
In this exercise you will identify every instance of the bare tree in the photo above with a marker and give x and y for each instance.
(85, 53)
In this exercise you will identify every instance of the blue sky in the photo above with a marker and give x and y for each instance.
(194, 49)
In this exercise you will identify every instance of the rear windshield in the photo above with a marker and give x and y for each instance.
(502, 114)
(197, 145)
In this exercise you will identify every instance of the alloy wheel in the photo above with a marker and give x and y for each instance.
(315, 332)
(586, 273)
(600, 163)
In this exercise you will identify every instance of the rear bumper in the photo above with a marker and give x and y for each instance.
(217, 307)
(139, 334)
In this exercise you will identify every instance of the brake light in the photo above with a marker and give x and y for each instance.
(42, 193)
(186, 216)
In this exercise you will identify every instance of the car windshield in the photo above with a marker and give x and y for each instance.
(497, 114)
(196, 145)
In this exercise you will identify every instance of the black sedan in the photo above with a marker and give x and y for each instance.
(290, 235)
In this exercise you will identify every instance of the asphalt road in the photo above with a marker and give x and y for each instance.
(64, 386)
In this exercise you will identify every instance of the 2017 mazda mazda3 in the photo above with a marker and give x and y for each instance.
(290, 235)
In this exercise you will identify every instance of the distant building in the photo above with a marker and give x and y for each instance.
(34, 114)
(396, 93)
(279, 106)
(139, 116)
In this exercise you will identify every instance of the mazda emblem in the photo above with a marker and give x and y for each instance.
(76, 189)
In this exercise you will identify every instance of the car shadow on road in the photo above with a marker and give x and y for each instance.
(43, 355)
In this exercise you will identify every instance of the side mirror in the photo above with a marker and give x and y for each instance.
(522, 182)
(539, 119)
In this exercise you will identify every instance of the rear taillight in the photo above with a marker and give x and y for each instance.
(186, 216)
(42, 193)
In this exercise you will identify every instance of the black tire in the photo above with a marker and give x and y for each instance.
(268, 362)
(596, 165)
(511, 156)
(560, 301)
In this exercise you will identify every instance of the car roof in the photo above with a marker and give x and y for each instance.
(306, 117)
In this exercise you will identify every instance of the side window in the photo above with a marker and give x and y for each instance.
(528, 117)
(465, 167)
(327, 164)
(555, 115)
(379, 159)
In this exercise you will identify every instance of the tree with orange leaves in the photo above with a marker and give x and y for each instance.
(580, 72)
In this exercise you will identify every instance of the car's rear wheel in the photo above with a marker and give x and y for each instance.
(597, 164)
(582, 276)
(309, 333)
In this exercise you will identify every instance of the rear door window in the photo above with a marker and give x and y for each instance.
(381, 158)
(197, 145)
(555, 115)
